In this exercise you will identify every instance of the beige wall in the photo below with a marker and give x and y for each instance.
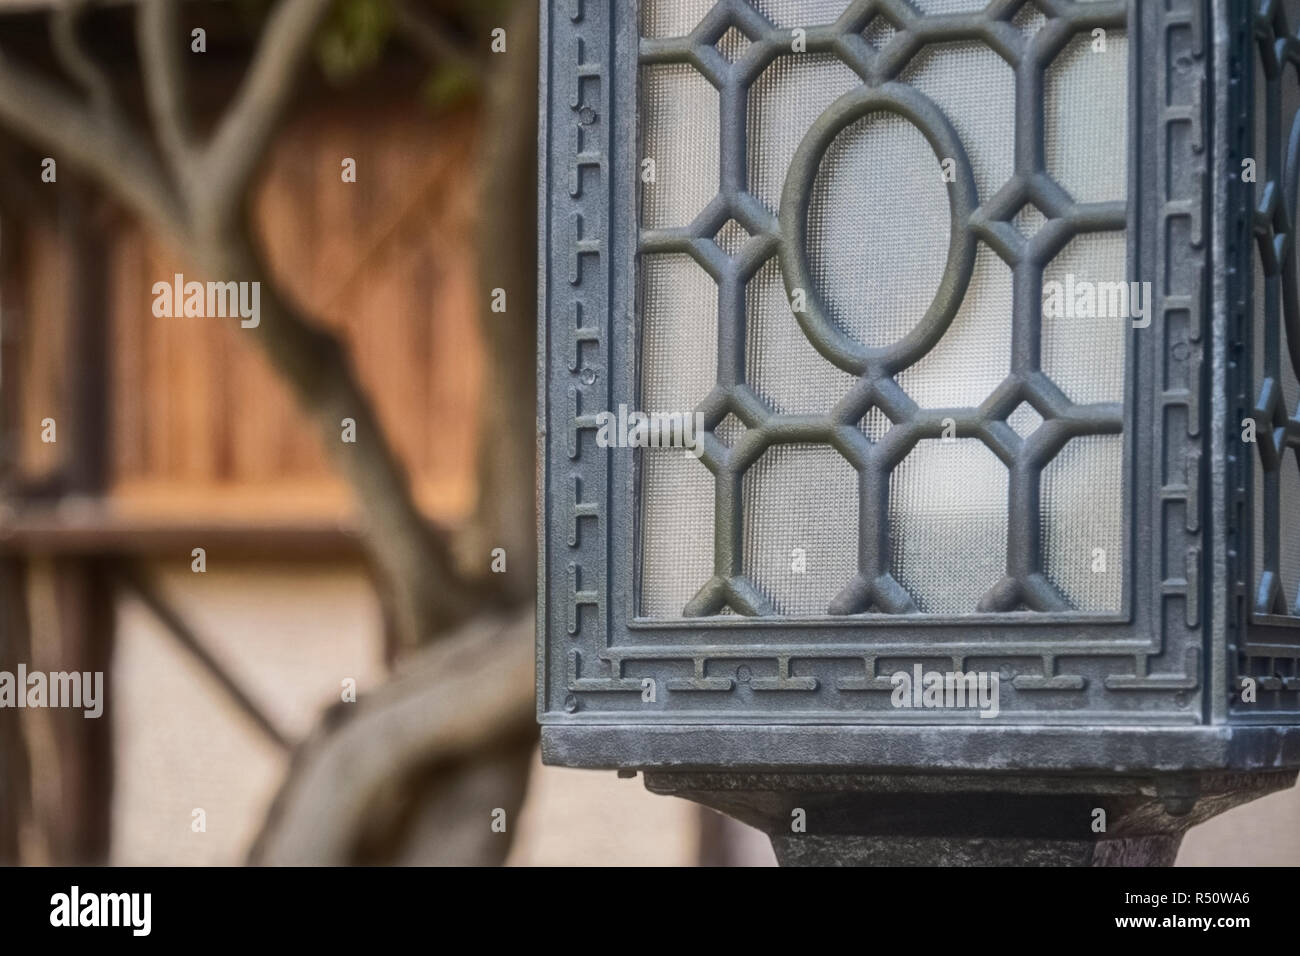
(291, 634)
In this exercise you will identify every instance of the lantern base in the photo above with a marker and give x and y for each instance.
(971, 819)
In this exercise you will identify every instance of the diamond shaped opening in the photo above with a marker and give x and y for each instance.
(878, 32)
(1024, 420)
(1029, 220)
(874, 424)
(731, 237)
(730, 430)
(1029, 19)
(732, 44)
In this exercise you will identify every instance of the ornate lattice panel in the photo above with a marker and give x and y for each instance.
(852, 217)
(917, 465)
(1268, 423)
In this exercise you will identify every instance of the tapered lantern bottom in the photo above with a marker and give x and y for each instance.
(850, 850)
(972, 819)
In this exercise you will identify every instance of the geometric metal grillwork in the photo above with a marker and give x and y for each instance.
(893, 427)
(1276, 326)
(1264, 641)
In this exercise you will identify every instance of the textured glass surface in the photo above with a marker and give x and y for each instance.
(676, 530)
(783, 102)
(671, 19)
(678, 361)
(1024, 420)
(974, 355)
(1289, 564)
(1082, 506)
(879, 169)
(795, 13)
(780, 363)
(680, 129)
(877, 216)
(801, 526)
(1087, 119)
(1029, 19)
(1084, 353)
(948, 524)
(933, 7)
(1261, 496)
(679, 344)
(976, 89)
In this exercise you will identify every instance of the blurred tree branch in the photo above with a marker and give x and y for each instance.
(464, 701)
(455, 775)
(430, 37)
(74, 60)
(164, 81)
(104, 145)
(201, 207)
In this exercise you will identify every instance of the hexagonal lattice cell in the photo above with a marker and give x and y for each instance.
(875, 267)
(731, 237)
(783, 103)
(1081, 501)
(1259, 553)
(678, 361)
(676, 530)
(672, 18)
(1289, 563)
(798, 13)
(948, 524)
(1086, 110)
(679, 125)
(732, 44)
(1083, 334)
(1290, 382)
(781, 365)
(679, 345)
(976, 89)
(1029, 220)
(974, 355)
(1029, 19)
(1024, 420)
(800, 526)
(730, 430)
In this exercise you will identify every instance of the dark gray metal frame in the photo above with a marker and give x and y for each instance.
(1144, 690)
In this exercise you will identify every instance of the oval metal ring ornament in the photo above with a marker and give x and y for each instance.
(822, 331)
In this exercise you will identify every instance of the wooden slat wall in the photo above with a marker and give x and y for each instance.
(200, 422)
(42, 347)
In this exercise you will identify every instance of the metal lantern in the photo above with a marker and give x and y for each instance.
(919, 429)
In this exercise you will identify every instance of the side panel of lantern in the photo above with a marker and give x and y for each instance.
(1263, 432)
